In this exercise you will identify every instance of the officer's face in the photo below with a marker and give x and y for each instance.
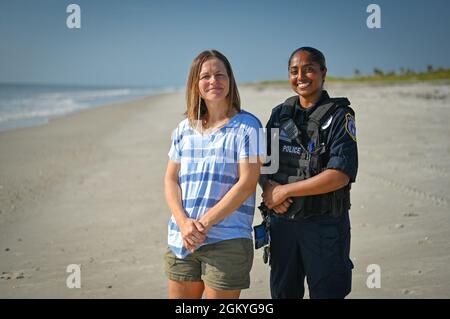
(305, 76)
(214, 83)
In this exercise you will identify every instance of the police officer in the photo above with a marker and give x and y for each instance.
(309, 196)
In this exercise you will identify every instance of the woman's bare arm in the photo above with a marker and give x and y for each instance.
(192, 230)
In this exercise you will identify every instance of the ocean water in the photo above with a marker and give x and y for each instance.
(27, 105)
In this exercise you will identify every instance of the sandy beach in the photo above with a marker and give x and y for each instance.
(87, 189)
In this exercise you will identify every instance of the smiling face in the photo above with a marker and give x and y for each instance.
(306, 76)
(214, 83)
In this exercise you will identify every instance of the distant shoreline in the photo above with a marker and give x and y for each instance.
(23, 105)
(440, 76)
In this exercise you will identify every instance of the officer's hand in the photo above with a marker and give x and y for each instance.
(273, 194)
(283, 207)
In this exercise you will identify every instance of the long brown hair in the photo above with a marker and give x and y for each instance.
(193, 93)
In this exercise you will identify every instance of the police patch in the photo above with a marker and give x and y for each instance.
(350, 126)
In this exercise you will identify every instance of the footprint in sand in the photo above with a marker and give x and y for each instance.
(13, 275)
(424, 240)
(415, 292)
(416, 272)
(5, 275)
(410, 215)
(407, 292)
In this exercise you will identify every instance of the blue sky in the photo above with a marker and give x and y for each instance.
(153, 42)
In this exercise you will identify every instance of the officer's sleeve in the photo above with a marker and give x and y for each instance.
(342, 143)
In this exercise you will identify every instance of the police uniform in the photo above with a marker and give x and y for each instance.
(312, 239)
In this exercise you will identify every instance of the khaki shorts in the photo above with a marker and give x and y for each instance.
(224, 265)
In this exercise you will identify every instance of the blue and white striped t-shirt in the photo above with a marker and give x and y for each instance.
(209, 169)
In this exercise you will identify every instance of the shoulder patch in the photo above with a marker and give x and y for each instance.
(350, 126)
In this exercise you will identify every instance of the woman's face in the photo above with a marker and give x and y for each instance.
(305, 76)
(214, 83)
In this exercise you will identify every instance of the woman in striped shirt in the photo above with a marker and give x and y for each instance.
(214, 165)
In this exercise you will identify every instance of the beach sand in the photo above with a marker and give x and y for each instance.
(87, 189)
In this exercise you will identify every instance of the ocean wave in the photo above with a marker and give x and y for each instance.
(34, 102)
(34, 108)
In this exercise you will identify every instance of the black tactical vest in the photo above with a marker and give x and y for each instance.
(305, 160)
